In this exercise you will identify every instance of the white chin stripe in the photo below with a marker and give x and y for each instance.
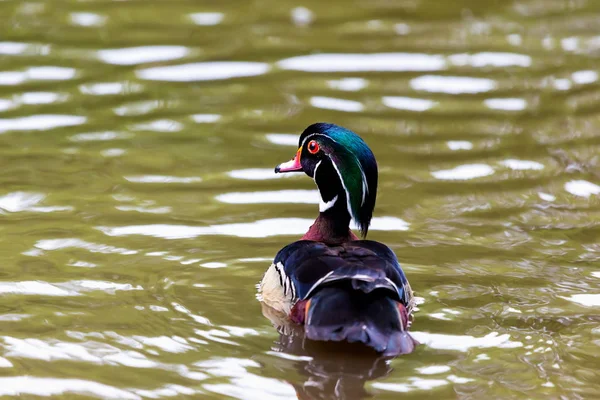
(324, 206)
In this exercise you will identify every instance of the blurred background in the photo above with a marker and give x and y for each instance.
(138, 204)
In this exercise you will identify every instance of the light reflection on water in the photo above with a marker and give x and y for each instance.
(27, 385)
(203, 71)
(40, 122)
(452, 84)
(364, 62)
(127, 124)
(141, 55)
(255, 229)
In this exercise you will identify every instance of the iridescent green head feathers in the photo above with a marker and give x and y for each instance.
(343, 168)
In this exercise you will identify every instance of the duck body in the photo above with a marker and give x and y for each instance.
(354, 291)
(338, 287)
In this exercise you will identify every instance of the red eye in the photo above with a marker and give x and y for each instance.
(313, 147)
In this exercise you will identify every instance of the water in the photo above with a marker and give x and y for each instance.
(139, 208)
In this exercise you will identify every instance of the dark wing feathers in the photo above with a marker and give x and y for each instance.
(367, 264)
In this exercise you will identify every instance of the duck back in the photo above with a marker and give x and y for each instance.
(355, 292)
(338, 313)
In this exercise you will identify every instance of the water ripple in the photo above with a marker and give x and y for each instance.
(588, 300)
(163, 179)
(408, 103)
(109, 88)
(509, 104)
(137, 154)
(141, 55)
(40, 122)
(34, 386)
(522, 165)
(46, 73)
(71, 288)
(243, 383)
(256, 229)
(257, 174)
(364, 62)
(59, 244)
(280, 196)
(464, 343)
(13, 48)
(207, 18)
(452, 84)
(487, 59)
(40, 98)
(283, 139)
(459, 145)
(206, 118)
(87, 19)
(464, 172)
(207, 71)
(581, 188)
(330, 103)
(20, 201)
(98, 136)
(348, 84)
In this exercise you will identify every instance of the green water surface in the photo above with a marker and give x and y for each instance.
(138, 204)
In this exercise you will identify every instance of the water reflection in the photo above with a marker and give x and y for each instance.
(140, 55)
(465, 342)
(163, 179)
(98, 136)
(40, 122)
(490, 59)
(281, 196)
(464, 172)
(452, 84)
(511, 104)
(581, 188)
(459, 145)
(255, 229)
(40, 98)
(12, 48)
(160, 125)
(328, 370)
(521, 165)
(584, 77)
(408, 103)
(45, 73)
(87, 19)
(364, 62)
(257, 174)
(302, 16)
(109, 88)
(203, 71)
(330, 103)
(140, 207)
(207, 18)
(588, 300)
(206, 118)
(34, 386)
(283, 139)
(348, 84)
(244, 384)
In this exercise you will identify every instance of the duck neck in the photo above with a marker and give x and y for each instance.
(332, 226)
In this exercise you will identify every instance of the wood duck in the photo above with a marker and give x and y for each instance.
(340, 288)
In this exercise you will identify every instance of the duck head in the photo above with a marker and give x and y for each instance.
(344, 169)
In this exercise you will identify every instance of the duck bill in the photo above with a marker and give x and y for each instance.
(291, 166)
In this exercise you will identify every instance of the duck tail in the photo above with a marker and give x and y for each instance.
(340, 313)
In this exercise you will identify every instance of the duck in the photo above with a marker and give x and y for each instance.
(331, 283)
